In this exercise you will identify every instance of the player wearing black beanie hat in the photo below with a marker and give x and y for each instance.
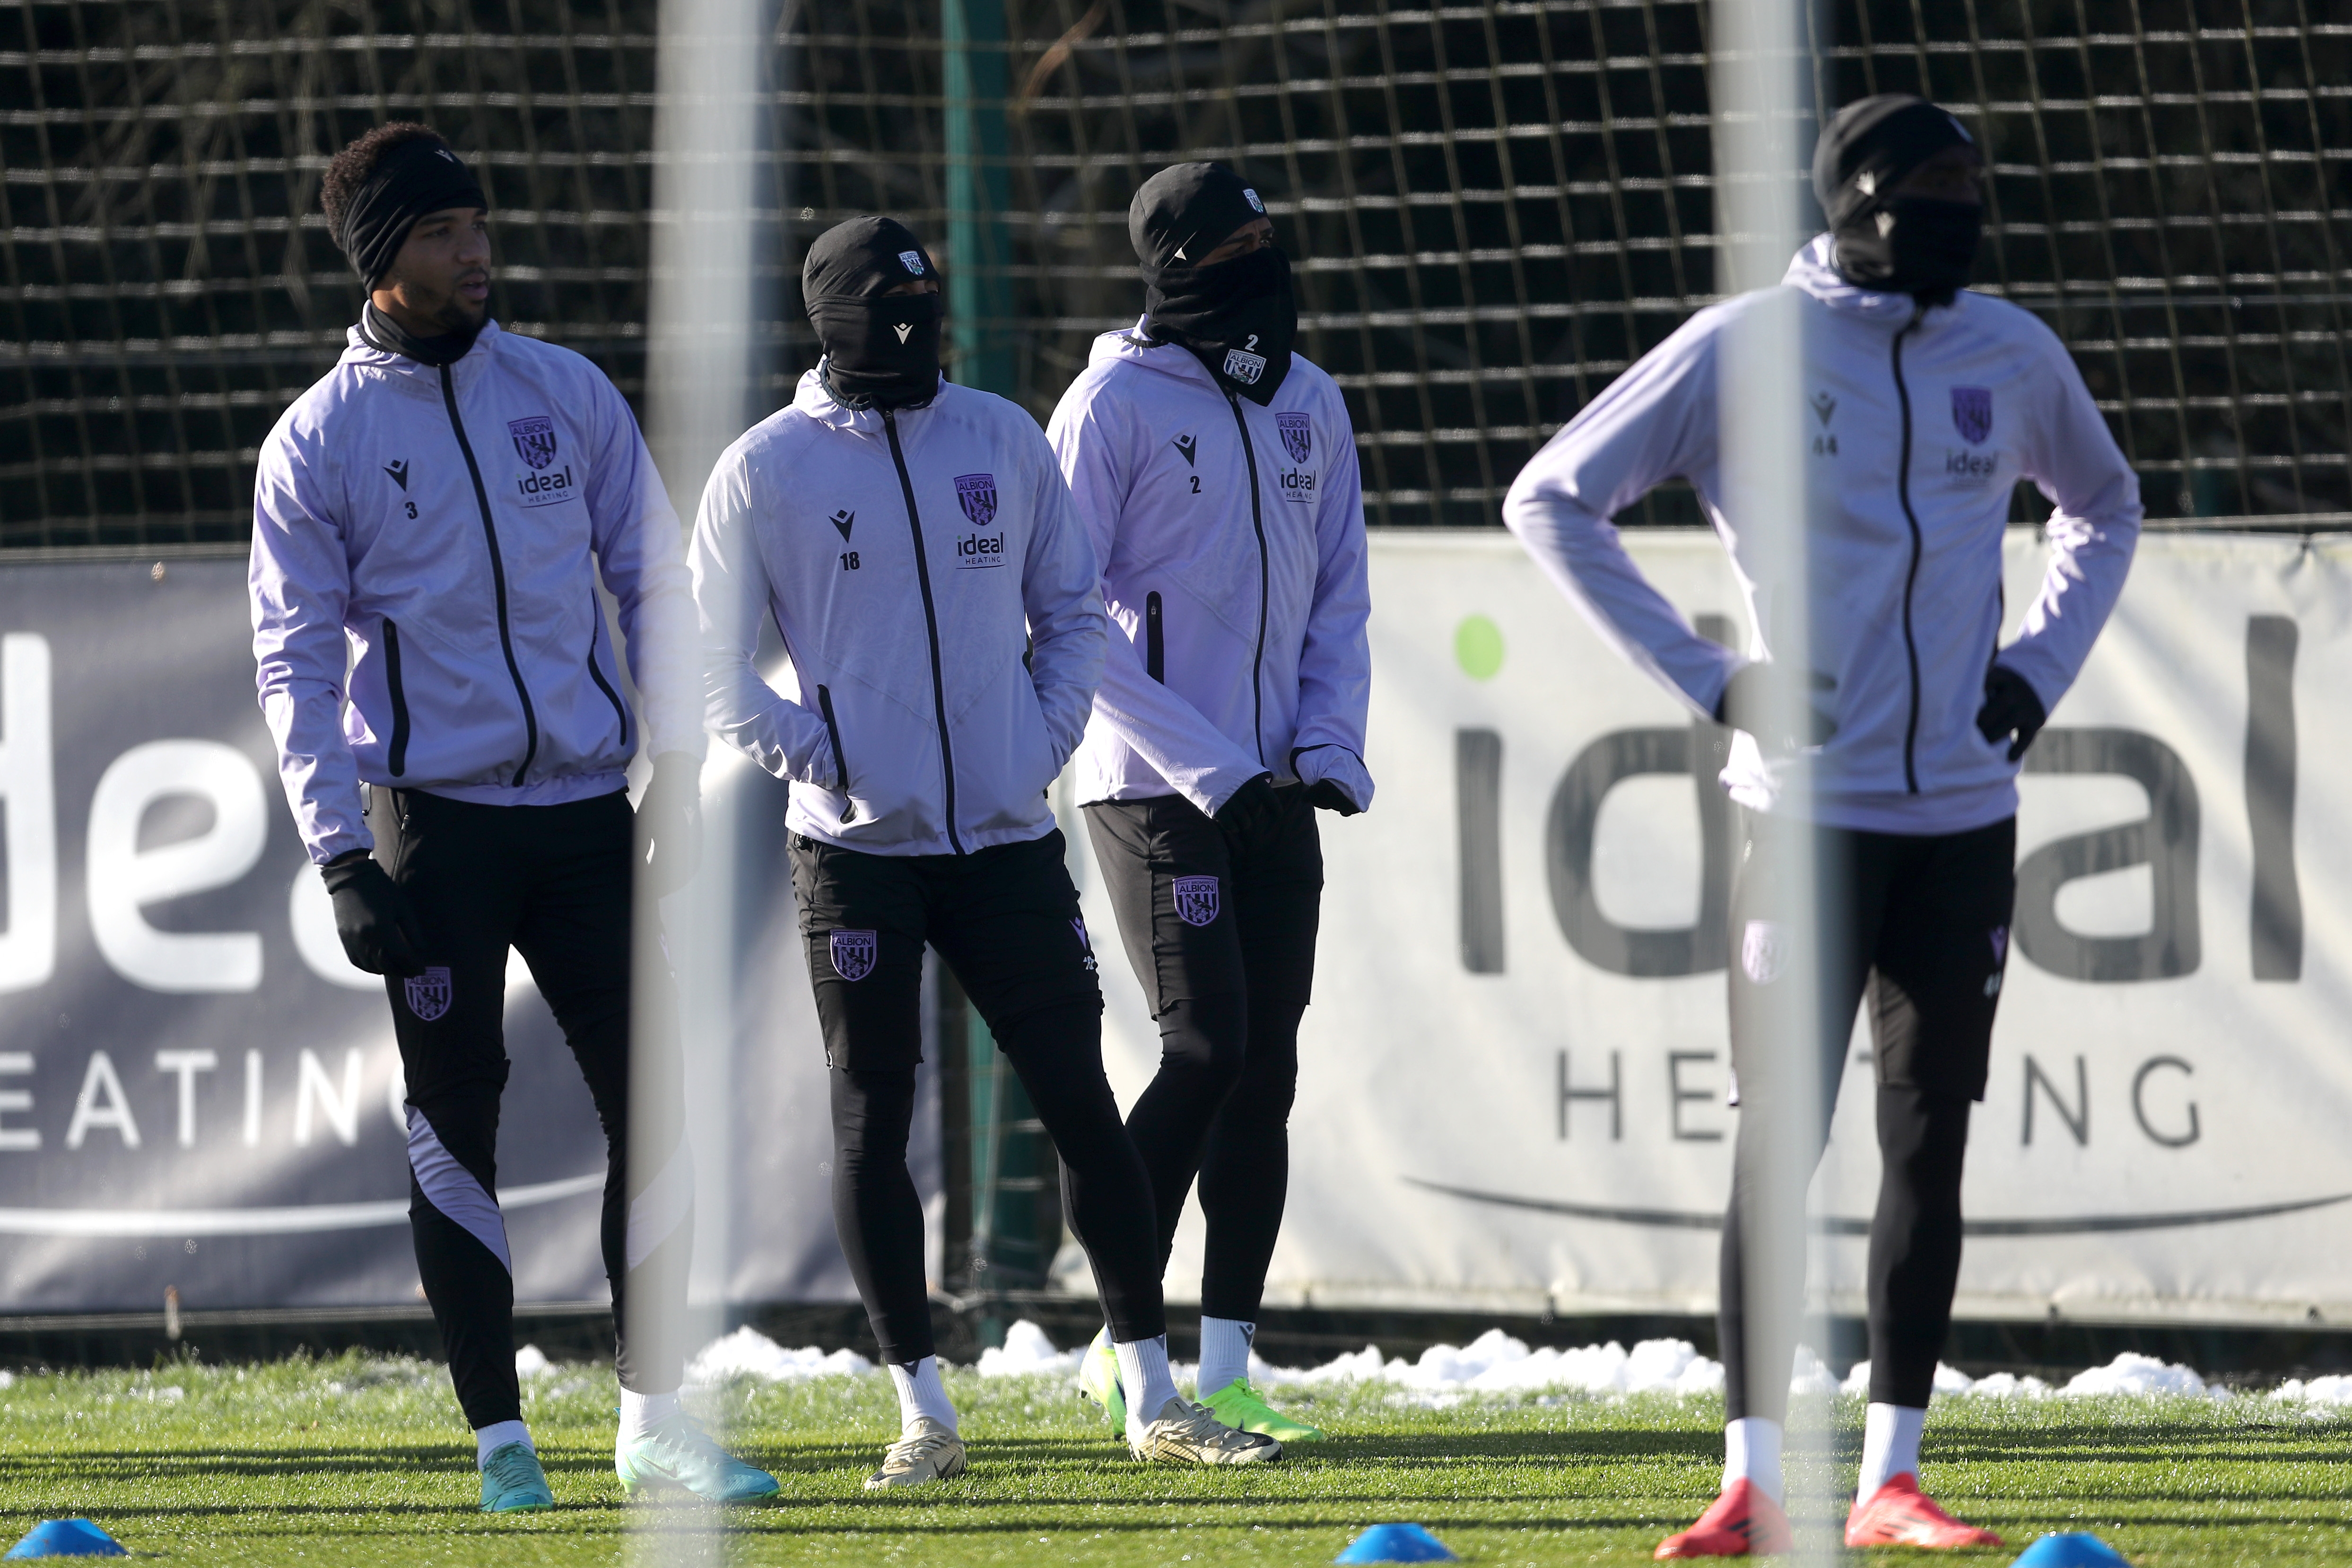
(871, 292)
(1236, 315)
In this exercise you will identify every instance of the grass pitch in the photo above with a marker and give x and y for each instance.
(362, 1460)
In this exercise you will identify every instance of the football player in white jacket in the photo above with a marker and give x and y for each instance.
(1216, 468)
(916, 547)
(438, 511)
(1927, 404)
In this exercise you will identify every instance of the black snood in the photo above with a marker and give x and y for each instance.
(1905, 245)
(880, 349)
(1239, 318)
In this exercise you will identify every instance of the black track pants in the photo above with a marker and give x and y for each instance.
(1006, 921)
(1221, 933)
(1918, 928)
(552, 882)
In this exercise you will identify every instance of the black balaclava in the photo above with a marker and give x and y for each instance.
(413, 179)
(1901, 245)
(880, 350)
(1238, 317)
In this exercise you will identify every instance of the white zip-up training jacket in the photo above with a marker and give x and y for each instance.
(1231, 543)
(911, 560)
(1907, 601)
(450, 523)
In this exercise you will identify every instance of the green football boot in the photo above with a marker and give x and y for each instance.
(1098, 1381)
(1242, 1407)
(677, 1453)
(512, 1481)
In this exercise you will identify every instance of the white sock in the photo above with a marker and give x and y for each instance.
(1752, 1452)
(1144, 1380)
(1890, 1445)
(641, 1413)
(497, 1435)
(922, 1394)
(1224, 1351)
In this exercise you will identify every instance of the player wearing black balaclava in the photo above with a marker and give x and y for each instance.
(1238, 317)
(1896, 240)
(1880, 849)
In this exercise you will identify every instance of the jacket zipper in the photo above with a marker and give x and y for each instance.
(596, 626)
(840, 759)
(1155, 644)
(498, 577)
(930, 622)
(398, 761)
(1911, 578)
(1257, 524)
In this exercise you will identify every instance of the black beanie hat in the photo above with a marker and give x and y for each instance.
(414, 177)
(1185, 211)
(1872, 144)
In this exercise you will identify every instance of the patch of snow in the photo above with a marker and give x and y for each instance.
(1949, 1379)
(748, 1352)
(2132, 1372)
(1496, 1362)
(2008, 1386)
(1027, 1352)
(2333, 1391)
(532, 1362)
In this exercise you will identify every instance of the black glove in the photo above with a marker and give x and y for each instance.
(669, 824)
(1251, 809)
(1742, 703)
(373, 917)
(2011, 706)
(1325, 796)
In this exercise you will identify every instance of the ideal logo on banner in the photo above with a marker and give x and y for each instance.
(1552, 1058)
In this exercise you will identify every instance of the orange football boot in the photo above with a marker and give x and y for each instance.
(1900, 1515)
(1743, 1521)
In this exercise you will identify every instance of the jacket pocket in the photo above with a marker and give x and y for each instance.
(595, 671)
(840, 758)
(398, 758)
(1155, 640)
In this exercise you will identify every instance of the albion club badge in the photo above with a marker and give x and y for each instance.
(1972, 413)
(853, 953)
(428, 994)
(534, 439)
(1243, 366)
(1196, 899)
(1297, 435)
(977, 495)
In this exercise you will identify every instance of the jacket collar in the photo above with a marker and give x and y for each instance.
(812, 399)
(358, 350)
(1812, 271)
(1168, 359)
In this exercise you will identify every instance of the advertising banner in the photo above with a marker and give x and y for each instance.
(1512, 1076)
(198, 1092)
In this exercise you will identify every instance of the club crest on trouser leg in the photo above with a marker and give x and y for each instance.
(428, 994)
(1297, 435)
(1972, 413)
(1999, 937)
(534, 439)
(853, 953)
(1196, 899)
(977, 494)
(1764, 951)
(1086, 943)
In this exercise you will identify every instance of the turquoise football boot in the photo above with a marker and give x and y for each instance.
(512, 1481)
(677, 1453)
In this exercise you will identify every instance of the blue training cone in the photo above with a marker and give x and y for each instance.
(2071, 1549)
(68, 1538)
(1396, 1543)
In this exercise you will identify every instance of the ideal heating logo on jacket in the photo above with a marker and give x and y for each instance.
(976, 493)
(535, 443)
(1972, 418)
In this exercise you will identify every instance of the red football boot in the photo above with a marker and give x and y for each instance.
(1899, 1514)
(1744, 1520)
